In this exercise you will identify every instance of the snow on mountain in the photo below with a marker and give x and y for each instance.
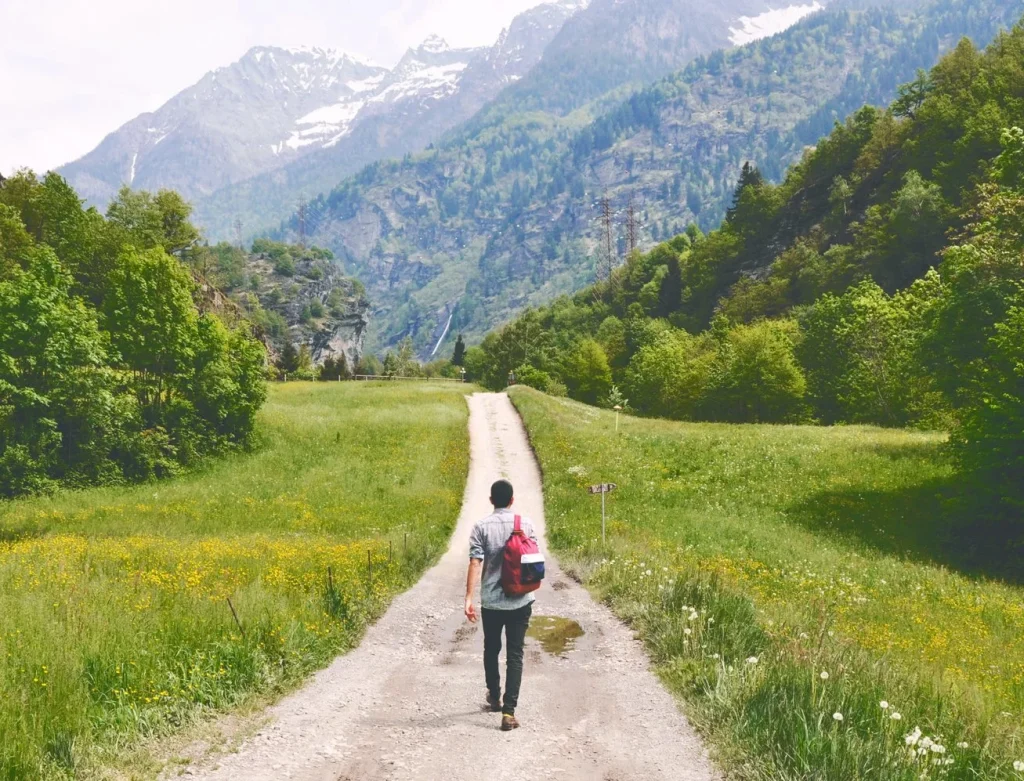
(430, 72)
(245, 135)
(771, 22)
(235, 122)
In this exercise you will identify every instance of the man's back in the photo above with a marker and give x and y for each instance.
(487, 542)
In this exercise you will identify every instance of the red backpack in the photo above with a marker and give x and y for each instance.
(522, 568)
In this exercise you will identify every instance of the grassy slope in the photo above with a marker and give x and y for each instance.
(116, 624)
(805, 551)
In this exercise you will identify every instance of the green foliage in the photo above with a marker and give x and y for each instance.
(587, 373)
(532, 377)
(108, 371)
(755, 377)
(335, 368)
(669, 375)
(151, 319)
(58, 413)
(990, 443)
(149, 221)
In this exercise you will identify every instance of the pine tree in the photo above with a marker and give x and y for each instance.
(459, 356)
(749, 177)
(288, 361)
(329, 369)
(305, 358)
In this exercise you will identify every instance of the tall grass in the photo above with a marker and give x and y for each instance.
(116, 624)
(814, 594)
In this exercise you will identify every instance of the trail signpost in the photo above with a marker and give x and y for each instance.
(603, 488)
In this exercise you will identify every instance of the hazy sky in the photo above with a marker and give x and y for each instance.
(71, 71)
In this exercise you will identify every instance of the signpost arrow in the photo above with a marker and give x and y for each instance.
(603, 488)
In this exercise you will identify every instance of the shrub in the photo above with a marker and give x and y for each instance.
(755, 376)
(532, 377)
(284, 265)
(669, 375)
(587, 373)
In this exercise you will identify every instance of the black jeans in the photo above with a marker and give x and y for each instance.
(515, 623)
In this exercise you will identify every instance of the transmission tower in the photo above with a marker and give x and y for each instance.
(608, 260)
(238, 232)
(631, 238)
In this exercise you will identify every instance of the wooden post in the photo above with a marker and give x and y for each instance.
(330, 580)
(369, 567)
(237, 622)
(391, 552)
(603, 540)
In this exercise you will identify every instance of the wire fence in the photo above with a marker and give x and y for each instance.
(381, 378)
(386, 378)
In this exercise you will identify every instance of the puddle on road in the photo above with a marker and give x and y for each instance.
(555, 634)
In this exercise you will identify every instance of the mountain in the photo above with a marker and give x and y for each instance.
(431, 90)
(235, 122)
(248, 140)
(507, 212)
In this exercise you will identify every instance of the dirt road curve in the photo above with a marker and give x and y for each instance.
(407, 703)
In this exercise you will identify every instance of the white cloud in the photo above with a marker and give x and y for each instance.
(72, 71)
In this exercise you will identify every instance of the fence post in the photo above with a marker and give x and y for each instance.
(237, 622)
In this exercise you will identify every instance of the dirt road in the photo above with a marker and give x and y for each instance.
(406, 704)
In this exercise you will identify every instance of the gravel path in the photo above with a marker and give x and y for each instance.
(406, 704)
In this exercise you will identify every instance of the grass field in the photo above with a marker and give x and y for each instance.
(819, 597)
(116, 624)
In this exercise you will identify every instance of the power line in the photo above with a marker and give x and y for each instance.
(302, 221)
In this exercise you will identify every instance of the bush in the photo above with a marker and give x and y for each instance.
(285, 266)
(755, 376)
(532, 377)
(669, 375)
(587, 373)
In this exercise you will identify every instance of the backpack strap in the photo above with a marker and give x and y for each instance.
(518, 527)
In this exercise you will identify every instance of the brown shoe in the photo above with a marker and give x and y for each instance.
(508, 722)
(493, 703)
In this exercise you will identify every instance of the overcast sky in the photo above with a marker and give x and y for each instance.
(71, 71)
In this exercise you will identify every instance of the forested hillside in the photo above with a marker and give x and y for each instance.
(111, 369)
(508, 213)
(880, 282)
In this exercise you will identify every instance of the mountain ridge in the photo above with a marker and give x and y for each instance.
(268, 111)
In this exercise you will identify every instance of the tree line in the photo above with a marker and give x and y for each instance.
(113, 366)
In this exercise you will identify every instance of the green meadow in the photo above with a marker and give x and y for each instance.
(823, 599)
(117, 625)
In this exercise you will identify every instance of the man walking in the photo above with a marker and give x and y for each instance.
(486, 547)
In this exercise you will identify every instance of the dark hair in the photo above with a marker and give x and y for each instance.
(501, 494)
